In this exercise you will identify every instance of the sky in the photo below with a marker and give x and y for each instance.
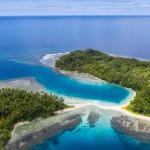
(73, 7)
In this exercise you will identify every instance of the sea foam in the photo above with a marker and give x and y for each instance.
(50, 59)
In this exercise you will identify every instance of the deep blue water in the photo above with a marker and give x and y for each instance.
(30, 38)
(25, 40)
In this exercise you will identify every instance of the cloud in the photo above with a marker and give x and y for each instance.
(74, 7)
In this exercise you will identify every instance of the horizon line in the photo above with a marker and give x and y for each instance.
(74, 15)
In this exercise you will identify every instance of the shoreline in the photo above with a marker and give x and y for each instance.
(97, 80)
(34, 132)
(28, 134)
(77, 102)
(30, 84)
(130, 57)
(77, 105)
(50, 60)
(82, 77)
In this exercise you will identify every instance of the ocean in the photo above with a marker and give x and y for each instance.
(24, 41)
(29, 38)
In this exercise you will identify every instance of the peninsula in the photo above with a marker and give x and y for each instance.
(128, 72)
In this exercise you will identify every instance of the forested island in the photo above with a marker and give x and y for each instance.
(19, 106)
(128, 72)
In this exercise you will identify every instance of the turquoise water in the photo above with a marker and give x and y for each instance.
(63, 85)
(100, 136)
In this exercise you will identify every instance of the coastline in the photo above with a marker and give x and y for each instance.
(28, 134)
(82, 77)
(50, 60)
(78, 104)
(124, 56)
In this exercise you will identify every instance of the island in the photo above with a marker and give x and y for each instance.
(127, 72)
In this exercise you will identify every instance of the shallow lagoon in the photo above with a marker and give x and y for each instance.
(100, 136)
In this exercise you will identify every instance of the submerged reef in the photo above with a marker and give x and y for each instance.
(93, 118)
(137, 128)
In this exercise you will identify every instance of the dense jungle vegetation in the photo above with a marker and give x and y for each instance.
(19, 105)
(128, 72)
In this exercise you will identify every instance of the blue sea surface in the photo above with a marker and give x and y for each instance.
(30, 38)
(25, 40)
